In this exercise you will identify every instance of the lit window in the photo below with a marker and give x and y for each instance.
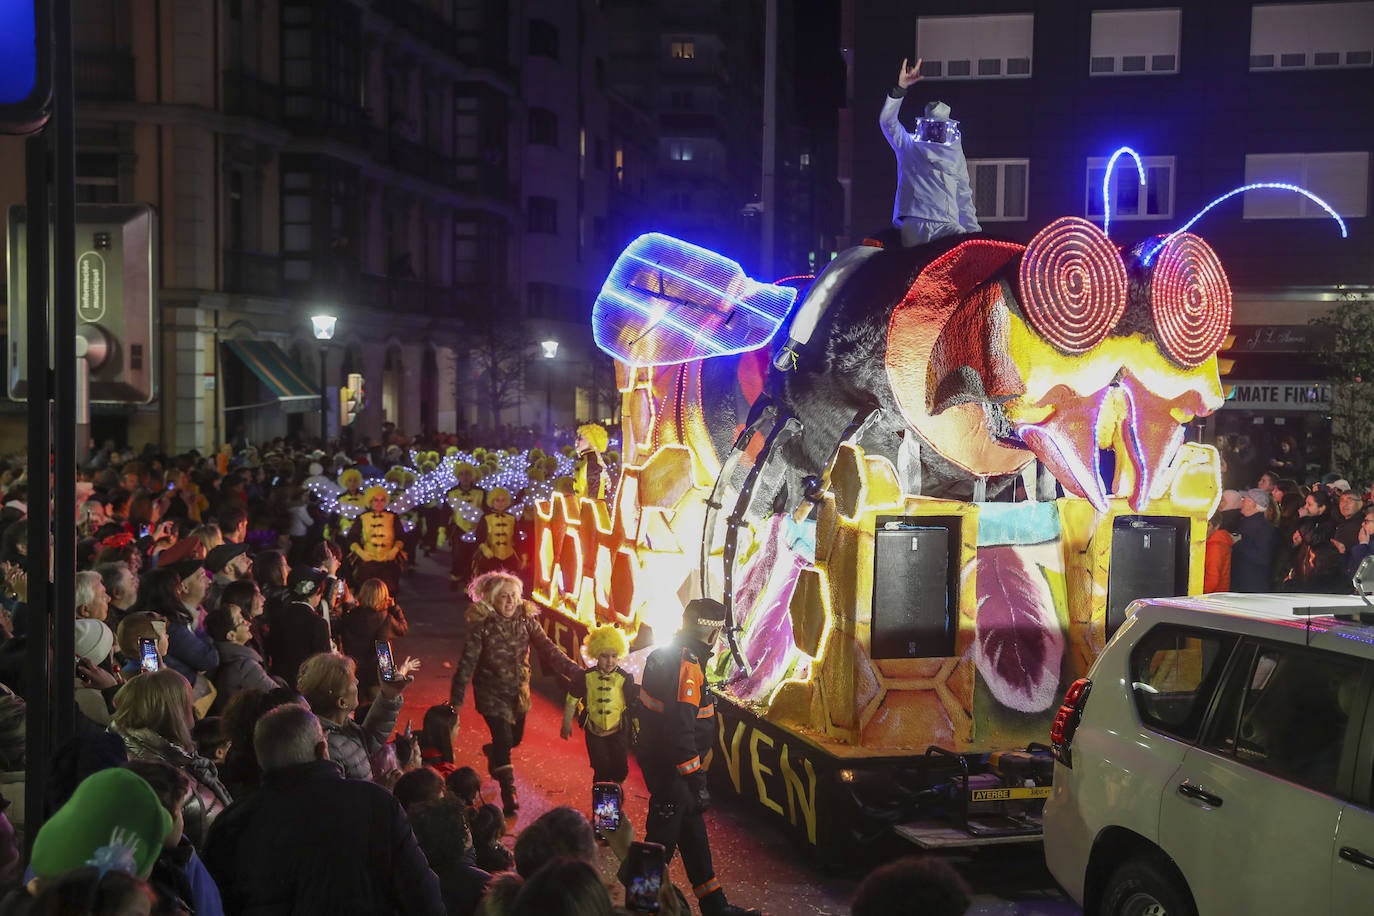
(1340, 179)
(1129, 200)
(975, 47)
(1308, 36)
(681, 152)
(683, 50)
(999, 188)
(1134, 42)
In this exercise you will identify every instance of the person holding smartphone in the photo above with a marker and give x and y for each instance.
(678, 728)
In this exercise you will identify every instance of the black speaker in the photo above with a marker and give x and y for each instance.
(1149, 560)
(914, 606)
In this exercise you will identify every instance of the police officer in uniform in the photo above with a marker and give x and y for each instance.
(678, 728)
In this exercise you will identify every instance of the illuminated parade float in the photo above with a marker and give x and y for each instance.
(873, 495)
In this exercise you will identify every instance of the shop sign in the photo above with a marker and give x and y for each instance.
(1283, 396)
(1281, 338)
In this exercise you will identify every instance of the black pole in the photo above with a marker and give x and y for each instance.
(324, 401)
(37, 735)
(65, 446)
(548, 402)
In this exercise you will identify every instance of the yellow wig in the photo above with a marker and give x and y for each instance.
(605, 638)
(595, 434)
(350, 478)
(374, 491)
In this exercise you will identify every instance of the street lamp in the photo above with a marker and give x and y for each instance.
(550, 350)
(323, 326)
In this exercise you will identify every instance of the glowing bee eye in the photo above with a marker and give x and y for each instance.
(1073, 284)
(1190, 299)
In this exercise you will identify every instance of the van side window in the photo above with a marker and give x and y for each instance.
(1174, 671)
(1286, 710)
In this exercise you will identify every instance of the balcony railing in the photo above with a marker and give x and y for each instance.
(253, 274)
(249, 97)
(104, 75)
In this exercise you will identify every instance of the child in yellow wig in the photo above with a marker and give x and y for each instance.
(604, 692)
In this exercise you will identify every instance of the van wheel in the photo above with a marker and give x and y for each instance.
(1146, 886)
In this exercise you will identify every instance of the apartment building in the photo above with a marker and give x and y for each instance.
(418, 169)
(1213, 94)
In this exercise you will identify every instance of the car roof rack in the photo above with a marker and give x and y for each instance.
(1343, 612)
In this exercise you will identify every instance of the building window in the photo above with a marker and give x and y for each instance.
(619, 166)
(680, 152)
(1129, 200)
(1340, 179)
(680, 100)
(1134, 42)
(543, 127)
(683, 50)
(975, 47)
(1311, 36)
(999, 188)
(542, 215)
(543, 39)
(804, 161)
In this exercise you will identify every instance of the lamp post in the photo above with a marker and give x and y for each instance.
(323, 326)
(550, 350)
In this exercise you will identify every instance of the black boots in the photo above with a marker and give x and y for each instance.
(510, 802)
(715, 904)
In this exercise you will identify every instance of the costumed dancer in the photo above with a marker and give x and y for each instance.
(934, 198)
(501, 631)
(375, 543)
(411, 523)
(434, 512)
(466, 502)
(591, 476)
(599, 699)
(678, 728)
(496, 536)
(352, 482)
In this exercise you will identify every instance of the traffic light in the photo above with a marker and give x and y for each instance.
(25, 65)
(351, 399)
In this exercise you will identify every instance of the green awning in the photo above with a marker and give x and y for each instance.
(282, 376)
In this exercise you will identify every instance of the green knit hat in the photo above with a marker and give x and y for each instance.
(113, 820)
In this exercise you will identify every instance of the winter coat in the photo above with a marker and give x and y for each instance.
(310, 841)
(1252, 557)
(189, 649)
(294, 634)
(1216, 575)
(208, 795)
(351, 745)
(359, 629)
(240, 668)
(496, 659)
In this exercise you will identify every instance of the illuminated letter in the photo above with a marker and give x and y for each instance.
(731, 753)
(761, 771)
(797, 796)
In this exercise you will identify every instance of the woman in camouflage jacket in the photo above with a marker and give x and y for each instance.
(501, 630)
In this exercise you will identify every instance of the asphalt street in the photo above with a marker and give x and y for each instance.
(758, 864)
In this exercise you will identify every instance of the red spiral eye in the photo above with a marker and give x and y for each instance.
(1190, 299)
(1073, 284)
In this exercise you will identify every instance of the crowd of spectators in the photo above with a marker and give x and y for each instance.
(235, 750)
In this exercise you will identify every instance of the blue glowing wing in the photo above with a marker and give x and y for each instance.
(666, 301)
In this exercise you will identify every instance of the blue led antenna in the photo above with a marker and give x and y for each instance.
(1149, 257)
(1107, 184)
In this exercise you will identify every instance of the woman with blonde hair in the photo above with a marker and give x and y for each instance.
(377, 617)
(501, 630)
(153, 716)
(329, 683)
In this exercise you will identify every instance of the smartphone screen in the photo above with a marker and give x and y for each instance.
(143, 531)
(148, 658)
(646, 867)
(339, 587)
(386, 668)
(606, 801)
